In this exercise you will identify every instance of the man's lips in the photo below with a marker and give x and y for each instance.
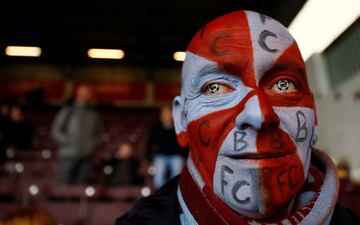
(259, 156)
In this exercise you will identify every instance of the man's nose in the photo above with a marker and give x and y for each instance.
(251, 116)
(256, 114)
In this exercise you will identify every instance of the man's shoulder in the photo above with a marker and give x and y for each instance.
(342, 215)
(161, 208)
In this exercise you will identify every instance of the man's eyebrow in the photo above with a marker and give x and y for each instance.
(210, 69)
(292, 67)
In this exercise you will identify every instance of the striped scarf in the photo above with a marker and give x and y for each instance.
(313, 205)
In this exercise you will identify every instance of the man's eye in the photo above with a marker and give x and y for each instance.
(216, 88)
(284, 86)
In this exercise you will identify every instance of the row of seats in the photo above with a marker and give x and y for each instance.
(29, 176)
(118, 125)
(28, 182)
(84, 213)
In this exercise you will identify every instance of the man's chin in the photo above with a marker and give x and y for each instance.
(258, 187)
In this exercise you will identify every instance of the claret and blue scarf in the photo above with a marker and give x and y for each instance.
(314, 204)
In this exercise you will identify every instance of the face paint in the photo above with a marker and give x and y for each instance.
(247, 113)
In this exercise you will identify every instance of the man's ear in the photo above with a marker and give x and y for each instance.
(180, 121)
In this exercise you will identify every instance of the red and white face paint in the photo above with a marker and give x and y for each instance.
(247, 113)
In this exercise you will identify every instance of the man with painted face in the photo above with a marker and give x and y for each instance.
(248, 116)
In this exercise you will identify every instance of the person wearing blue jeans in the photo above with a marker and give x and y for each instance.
(163, 150)
(163, 162)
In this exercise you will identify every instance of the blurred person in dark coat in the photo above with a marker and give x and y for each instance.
(20, 131)
(4, 126)
(163, 150)
(124, 167)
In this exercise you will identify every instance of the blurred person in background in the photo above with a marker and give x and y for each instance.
(77, 130)
(4, 126)
(20, 132)
(124, 167)
(163, 151)
(28, 216)
(4, 116)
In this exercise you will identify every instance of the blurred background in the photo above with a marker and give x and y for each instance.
(129, 53)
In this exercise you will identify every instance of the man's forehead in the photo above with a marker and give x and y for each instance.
(245, 44)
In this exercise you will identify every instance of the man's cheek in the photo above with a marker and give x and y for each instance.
(299, 122)
(201, 144)
(206, 136)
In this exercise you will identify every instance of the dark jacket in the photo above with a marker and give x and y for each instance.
(20, 135)
(125, 171)
(162, 141)
(162, 208)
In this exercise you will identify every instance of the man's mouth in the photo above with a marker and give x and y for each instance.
(258, 156)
